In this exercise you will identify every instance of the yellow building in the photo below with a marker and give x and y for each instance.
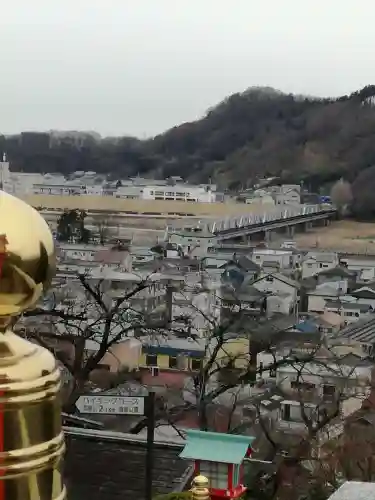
(236, 349)
(178, 354)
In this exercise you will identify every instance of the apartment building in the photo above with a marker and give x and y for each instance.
(180, 192)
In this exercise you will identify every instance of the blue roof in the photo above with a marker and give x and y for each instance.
(307, 327)
(171, 351)
(216, 447)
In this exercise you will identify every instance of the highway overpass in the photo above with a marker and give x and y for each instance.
(276, 220)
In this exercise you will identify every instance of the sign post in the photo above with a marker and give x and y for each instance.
(150, 415)
(126, 405)
(111, 405)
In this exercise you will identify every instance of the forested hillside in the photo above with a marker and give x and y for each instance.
(261, 132)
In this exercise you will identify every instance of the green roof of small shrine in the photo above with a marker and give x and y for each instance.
(216, 447)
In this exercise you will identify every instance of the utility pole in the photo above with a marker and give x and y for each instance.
(150, 415)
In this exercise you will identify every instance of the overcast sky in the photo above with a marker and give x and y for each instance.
(138, 67)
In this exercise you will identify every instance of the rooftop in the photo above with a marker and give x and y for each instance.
(339, 304)
(355, 490)
(103, 465)
(338, 271)
(216, 447)
(362, 331)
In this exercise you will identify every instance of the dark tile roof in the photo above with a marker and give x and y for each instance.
(243, 263)
(337, 304)
(363, 293)
(243, 294)
(248, 264)
(362, 330)
(106, 466)
(338, 271)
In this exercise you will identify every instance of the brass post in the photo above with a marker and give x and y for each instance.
(200, 490)
(31, 438)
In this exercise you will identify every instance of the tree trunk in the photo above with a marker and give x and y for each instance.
(69, 404)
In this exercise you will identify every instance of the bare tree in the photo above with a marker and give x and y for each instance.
(90, 316)
(226, 382)
(303, 462)
(341, 195)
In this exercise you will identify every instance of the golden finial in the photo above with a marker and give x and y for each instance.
(200, 490)
(31, 439)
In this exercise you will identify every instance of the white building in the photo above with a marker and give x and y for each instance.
(287, 194)
(363, 265)
(315, 262)
(285, 259)
(180, 192)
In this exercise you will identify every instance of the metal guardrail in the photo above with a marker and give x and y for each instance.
(274, 215)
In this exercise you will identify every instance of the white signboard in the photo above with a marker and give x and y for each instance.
(111, 405)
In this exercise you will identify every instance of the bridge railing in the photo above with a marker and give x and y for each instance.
(275, 214)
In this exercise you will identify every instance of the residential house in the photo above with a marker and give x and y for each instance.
(364, 295)
(215, 262)
(317, 298)
(287, 194)
(342, 277)
(78, 251)
(363, 265)
(244, 299)
(324, 381)
(194, 242)
(283, 259)
(328, 322)
(123, 355)
(141, 256)
(282, 291)
(114, 258)
(349, 311)
(360, 334)
(315, 262)
(241, 265)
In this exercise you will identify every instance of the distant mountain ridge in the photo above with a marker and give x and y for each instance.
(259, 132)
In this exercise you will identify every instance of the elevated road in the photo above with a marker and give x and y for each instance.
(271, 220)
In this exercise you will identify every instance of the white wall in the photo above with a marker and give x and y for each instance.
(285, 259)
(179, 192)
(310, 267)
(276, 286)
(316, 303)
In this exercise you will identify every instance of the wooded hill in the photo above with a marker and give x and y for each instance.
(260, 132)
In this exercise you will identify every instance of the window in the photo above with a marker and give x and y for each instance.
(216, 473)
(269, 279)
(293, 413)
(172, 362)
(328, 390)
(285, 412)
(196, 364)
(151, 360)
